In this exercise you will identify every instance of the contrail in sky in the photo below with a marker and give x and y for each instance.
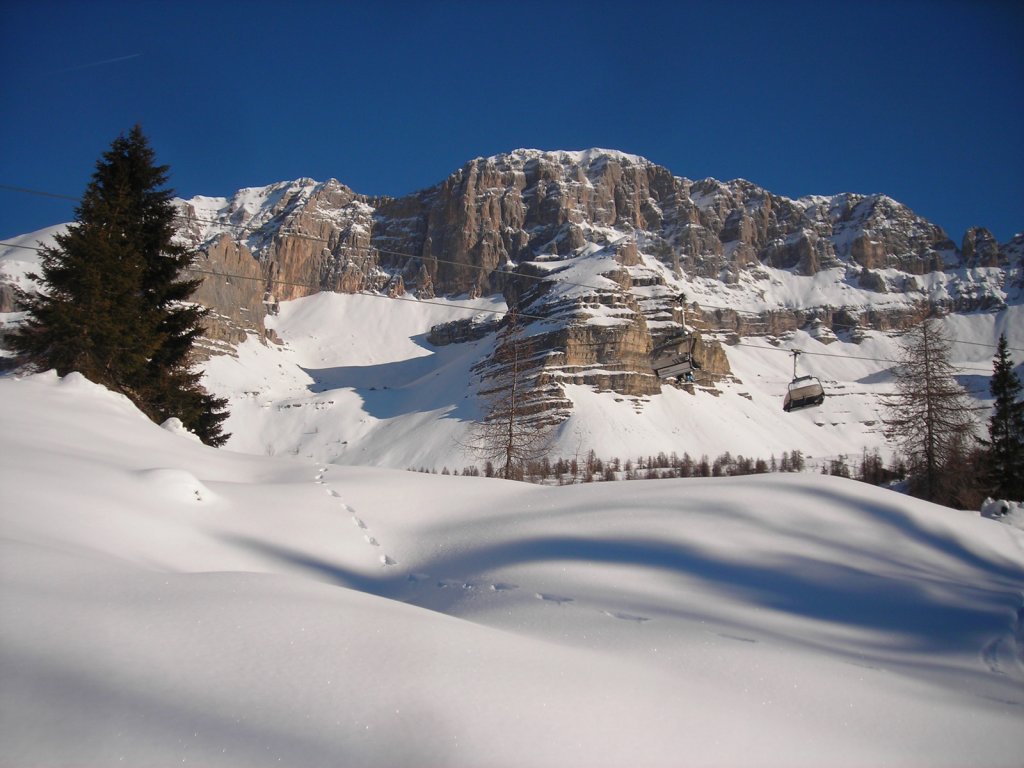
(95, 64)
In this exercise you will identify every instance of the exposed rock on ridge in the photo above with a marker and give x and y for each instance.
(454, 237)
(516, 222)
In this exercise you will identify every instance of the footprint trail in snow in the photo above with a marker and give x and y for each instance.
(499, 587)
(384, 559)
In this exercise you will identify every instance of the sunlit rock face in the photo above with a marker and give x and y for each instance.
(595, 250)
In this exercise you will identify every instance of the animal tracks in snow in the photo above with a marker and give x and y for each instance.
(565, 600)
(505, 587)
(1004, 655)
(550, 598)
(460, 585)
(453, 584)
(990, 655)
(737, 638)
(626, 616)
(384, 559)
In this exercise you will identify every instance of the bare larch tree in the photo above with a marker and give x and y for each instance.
(514, 427)
(929, 415)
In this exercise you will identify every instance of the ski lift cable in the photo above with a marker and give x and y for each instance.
(500, 313)
(255, 229)
(314, 288)
(40, 193)
(439, 260)
(480, 310)
(847, 356)
(562, 281)
(342, 246)
(23, 247)
(452, 305)
(279, 281)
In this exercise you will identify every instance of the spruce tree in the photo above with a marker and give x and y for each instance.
(1005, 444)
(113, 305)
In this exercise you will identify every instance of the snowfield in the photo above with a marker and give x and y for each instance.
(356, 383)
(167, 603)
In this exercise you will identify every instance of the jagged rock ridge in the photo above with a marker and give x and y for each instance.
(593, 250)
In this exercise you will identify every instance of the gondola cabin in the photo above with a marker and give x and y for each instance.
(803, 392)
(675, 370)
(674, 360)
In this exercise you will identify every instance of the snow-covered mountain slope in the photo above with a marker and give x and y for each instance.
(168, 603)
(594, 250)
(355, 382)
(733, 248)
(20, 257)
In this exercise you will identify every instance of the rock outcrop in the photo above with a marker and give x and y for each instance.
(592, 250)
(464, 234)
(980, 249)
(235, 291)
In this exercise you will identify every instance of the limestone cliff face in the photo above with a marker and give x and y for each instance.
(501, 210)
(511, 208)
(8, 298)
(980, 249)
(321, 244)
(234, 290)
(590, 249)
(464, 234)
(304, 236)
(603, 332)
(883, 234)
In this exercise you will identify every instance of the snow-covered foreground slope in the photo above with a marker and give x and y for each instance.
(166, 603)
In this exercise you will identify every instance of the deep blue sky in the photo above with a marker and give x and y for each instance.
(921, 100)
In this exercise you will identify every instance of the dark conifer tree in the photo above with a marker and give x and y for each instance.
(114, 306)
(1005, 444)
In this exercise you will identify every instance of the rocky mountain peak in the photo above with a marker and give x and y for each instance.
(586, 159)
(628, 233)
(980, 249)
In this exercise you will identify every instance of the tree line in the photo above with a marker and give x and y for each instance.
(940, 457)
(869, 468)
